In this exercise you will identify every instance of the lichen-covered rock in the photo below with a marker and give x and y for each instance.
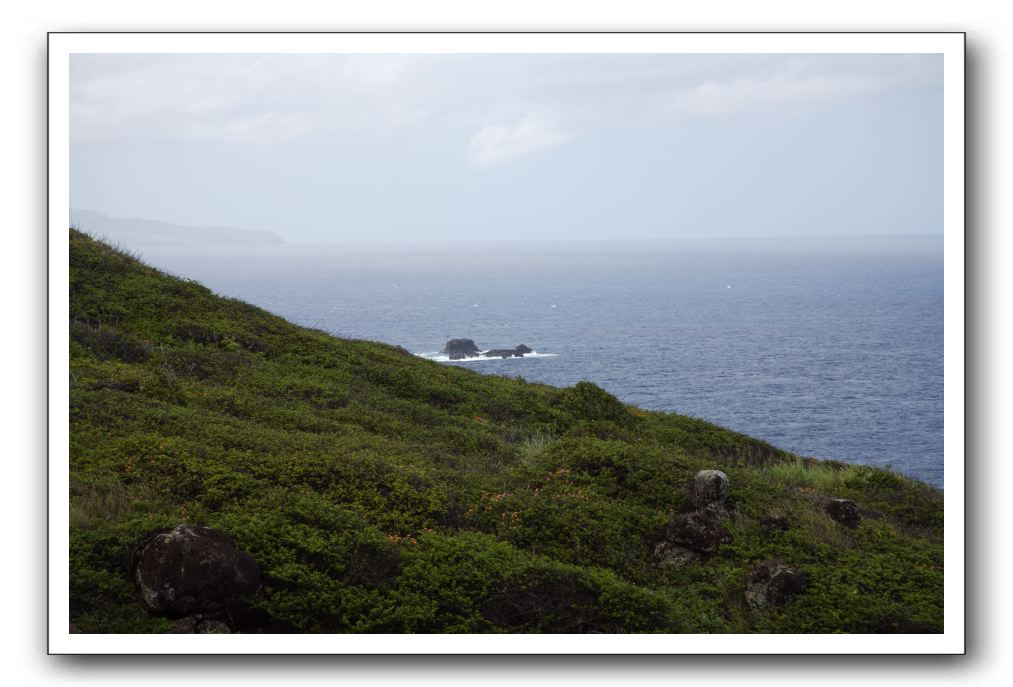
(699, 531)
(772, 583)
(213, 627)
(195, 624)
(843, 511)
(669, 555)
(183, 626)
(192, 570)
(709, 487)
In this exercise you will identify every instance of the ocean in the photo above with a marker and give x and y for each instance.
(830, 348)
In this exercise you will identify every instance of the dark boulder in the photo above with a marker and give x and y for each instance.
(699, 531)
(193, 570)
(523, 349)
(709, 487)
(461, 347)
(843, 511)
(772, 583)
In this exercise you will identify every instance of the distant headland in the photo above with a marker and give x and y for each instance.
(133, 232)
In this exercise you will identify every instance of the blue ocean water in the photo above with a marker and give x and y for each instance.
(826, 347)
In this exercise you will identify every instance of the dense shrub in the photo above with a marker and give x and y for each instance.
(380, 492)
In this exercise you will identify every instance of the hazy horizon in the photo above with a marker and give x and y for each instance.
(420, 148)
(470, 241)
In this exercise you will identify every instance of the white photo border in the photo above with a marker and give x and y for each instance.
(950, 45)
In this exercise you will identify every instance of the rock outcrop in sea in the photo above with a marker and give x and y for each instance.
(461, 349)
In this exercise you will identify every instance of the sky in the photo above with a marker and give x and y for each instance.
(465, 147)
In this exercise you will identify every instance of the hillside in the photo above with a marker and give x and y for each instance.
(380, 492)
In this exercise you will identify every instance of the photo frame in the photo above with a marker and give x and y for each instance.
(63, 45)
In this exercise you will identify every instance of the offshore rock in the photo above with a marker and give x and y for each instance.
(843, 511)
(772, 583)
(699, 531)
(193, 570)
(709, 487)
(517, 352)
(460, 347)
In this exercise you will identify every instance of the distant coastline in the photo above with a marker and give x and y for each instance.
(136, 232)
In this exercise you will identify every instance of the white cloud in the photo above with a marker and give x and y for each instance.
(237, 98)
(516, 104)
(496, 144)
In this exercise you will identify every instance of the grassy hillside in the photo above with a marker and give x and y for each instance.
(381, 492)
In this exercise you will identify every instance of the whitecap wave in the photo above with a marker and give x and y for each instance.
(444, 358)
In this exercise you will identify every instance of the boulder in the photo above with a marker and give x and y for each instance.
(461, 347)
(196, 625)
(709, 487)
(772, 583)
(192, 570)
(699, 531)
(843, 511)
(522, 349)
(184, 626)
(669, 555)
(213, 627)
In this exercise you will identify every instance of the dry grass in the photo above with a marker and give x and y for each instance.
(534, 444)
(99, 500)
(824, 528)
(823, 477)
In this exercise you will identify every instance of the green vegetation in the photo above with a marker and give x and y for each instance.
(380, 492)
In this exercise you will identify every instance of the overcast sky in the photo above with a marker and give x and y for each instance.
(461, 147)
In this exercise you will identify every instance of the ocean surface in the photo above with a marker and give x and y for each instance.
(826, 347)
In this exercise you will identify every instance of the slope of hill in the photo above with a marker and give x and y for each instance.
(134, 232)
(380, 492)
